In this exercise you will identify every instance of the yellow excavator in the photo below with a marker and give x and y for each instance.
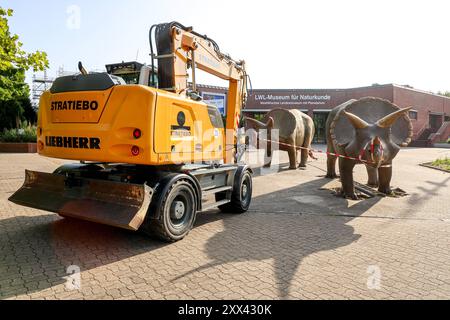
(151, 154)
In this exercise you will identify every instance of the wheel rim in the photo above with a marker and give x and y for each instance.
(180, 210)
(245, 191)
(177, 210)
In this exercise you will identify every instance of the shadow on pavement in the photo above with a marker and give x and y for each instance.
(428, 191)
(303, 220)
(315, 225)
(35, 251)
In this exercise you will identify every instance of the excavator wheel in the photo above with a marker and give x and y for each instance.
(241, 196)
(177, 213)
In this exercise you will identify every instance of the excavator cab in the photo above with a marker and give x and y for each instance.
(134, 73)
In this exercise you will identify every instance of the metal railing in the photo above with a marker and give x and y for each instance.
(442, 134)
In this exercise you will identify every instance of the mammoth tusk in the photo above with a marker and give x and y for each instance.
(270, 123)
(390, 119)
(260, 124)
(356, 121)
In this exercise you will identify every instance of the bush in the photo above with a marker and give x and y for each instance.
(13, 111)
(26, 133)
(448, 141)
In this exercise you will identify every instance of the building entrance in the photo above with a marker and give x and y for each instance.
(320, 119)
(435, 122)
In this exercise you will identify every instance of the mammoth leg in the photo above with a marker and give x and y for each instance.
(373, 176)
(385, 176)
(267, 162)
(331, 167)
(269, 142)
(331, 162)
(304, 157)
(346, 170)
(268, 156)
(292, 158)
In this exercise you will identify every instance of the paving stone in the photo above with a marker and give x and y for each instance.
(296, 242)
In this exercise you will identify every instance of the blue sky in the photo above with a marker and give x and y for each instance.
(286, 44)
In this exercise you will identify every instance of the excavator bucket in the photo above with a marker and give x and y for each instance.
(113, 203)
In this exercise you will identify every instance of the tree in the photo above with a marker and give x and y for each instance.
(14, 61)
(444, 93)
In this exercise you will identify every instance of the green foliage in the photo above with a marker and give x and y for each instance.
(11, 53)
(12, 112)
(29, 114)
(14, 61)
(442, 163)
(12, 84)
(26, 133)
(444, 93)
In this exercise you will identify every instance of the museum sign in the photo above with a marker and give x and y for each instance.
(268, 99)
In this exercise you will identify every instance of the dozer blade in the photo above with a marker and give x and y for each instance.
(113, 203)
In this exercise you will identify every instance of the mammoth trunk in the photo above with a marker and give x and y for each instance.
(264, 136)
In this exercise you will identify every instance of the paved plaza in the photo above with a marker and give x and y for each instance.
(298, 241)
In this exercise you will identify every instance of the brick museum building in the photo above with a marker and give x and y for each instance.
(430, 113)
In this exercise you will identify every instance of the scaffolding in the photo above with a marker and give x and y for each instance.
(42, 83)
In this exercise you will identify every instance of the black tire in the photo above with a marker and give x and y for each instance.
(177, 213)
(241, 196)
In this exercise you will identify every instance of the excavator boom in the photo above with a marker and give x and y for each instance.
(180, 48)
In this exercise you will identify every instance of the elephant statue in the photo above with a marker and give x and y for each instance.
(296, 130)
(371, 131)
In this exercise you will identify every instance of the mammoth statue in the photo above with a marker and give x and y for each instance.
(296, 129)
(370, 130)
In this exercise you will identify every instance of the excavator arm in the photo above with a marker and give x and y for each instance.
(180, 48)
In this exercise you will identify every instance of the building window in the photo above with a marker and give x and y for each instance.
(413, 115)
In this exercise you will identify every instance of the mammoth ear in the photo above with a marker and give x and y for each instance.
(390, 119)
(356, 121)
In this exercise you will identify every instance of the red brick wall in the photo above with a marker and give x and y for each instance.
(382, 91)
(423, 102)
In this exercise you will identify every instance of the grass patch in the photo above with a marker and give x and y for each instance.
(442, 163)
